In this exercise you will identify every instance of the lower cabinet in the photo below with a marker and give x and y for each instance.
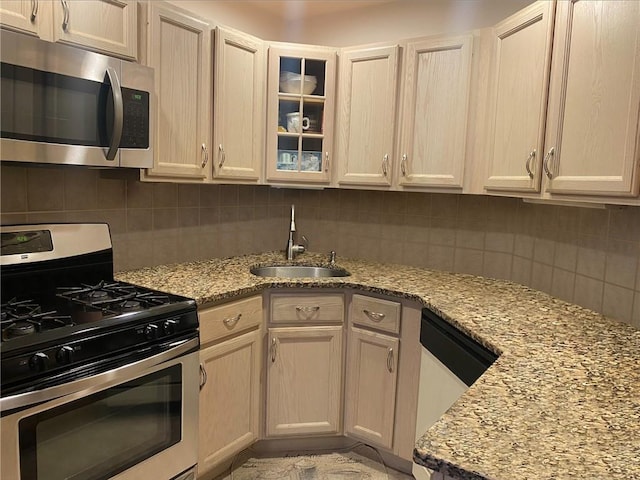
(371, 387)
(230, 370)
(304, 377)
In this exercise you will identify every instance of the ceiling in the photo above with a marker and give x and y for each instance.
(309, 8)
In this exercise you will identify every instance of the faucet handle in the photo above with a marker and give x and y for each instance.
(332, 257)
(305, 242)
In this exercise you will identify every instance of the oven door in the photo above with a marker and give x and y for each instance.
(135, 422)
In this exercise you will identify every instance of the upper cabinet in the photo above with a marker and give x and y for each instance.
(178, 47)
(583, 138)
(105, 26)
(592, 142)
(300, 111)
(520, 72)
(431, 123)
(238, 106)
(367, 115)
(437, 79)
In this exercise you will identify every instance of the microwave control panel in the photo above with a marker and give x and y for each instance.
(135, 129)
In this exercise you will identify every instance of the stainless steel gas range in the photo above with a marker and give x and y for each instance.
(99, 378)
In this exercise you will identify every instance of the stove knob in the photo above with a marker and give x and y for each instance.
(169, 327)
(39, 362)
(151, 332)
(65, 355)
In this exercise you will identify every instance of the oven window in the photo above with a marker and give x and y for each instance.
(103, 434)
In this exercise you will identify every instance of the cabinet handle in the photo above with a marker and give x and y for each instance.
(326, 161)
(527, 165)
(203, 376)
(375, 316)
(385, 164)
(390, 360)
(231, 321)
(274, 349)
(403, 165)
(34, 10)
(545, 163)
(118, 114)
(205, 155)
(65, 20)
(307, 309)
(221, 155)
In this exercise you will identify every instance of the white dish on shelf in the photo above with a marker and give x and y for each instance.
(290, 83)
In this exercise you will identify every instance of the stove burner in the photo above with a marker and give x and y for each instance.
(130, 305)
(25, 317)
(98, 295)
(19, 329)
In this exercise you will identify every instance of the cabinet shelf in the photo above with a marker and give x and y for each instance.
(295, 97)
(319, 136)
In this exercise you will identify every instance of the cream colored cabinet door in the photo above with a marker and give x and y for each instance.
(304, 377)
(300, 113)
(371, 387)
(592, 140)
(366, 119)
(179, 49)
(522, 59)
(239, 107)
(437, 79)
(25, 16)
(106, 26)
(229, 399)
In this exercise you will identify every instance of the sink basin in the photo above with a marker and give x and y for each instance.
(298, 271)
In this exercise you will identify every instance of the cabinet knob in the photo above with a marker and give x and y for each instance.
(205, 155)
(527, 165)
(231, 321)
(34, 10)
(375, 316)
(545, 163)
(274, 349)
(403, 165)
(385, 164)
(65, 19)
(203, 376)
(390, 360)
(221, 155)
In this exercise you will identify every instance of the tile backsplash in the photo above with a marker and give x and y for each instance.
(586, 256)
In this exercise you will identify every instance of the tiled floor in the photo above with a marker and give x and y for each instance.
(332, 466)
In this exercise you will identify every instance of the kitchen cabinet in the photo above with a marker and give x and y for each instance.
(105, 26)
(238, 106)
(431, 122)
(372, 370)
(178, 47)
(300, 112)
(593, 119)
(437, 80)
(367, 115)
(304, 364)
(522, 51)
(230, 362)
(565, 116)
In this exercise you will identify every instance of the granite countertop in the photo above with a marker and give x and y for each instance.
(561, 402)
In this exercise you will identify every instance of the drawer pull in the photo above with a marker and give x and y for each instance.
(375, 316)
(231, 321)
(203, 376)
(307, 309)
(390, 360)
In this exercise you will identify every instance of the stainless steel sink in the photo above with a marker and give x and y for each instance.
(298, 271)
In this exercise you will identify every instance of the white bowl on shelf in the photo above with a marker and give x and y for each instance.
(290, 83)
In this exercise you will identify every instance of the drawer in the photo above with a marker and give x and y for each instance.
(376, 313)
(302, 308)
(223, 320)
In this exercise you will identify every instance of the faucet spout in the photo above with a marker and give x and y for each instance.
(292, 248)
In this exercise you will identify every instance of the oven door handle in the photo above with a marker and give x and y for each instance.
(100, 381)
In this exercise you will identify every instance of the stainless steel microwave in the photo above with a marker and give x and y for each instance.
(64, 105)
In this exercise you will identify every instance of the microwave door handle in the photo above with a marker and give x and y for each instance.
(118, 115)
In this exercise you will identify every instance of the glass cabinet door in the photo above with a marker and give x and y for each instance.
(300, 116)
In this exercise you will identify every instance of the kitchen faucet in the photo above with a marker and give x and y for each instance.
(292, 248)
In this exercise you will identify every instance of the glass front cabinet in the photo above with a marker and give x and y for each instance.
(301, 102)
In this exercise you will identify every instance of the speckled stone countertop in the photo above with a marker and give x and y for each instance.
(561, 402)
